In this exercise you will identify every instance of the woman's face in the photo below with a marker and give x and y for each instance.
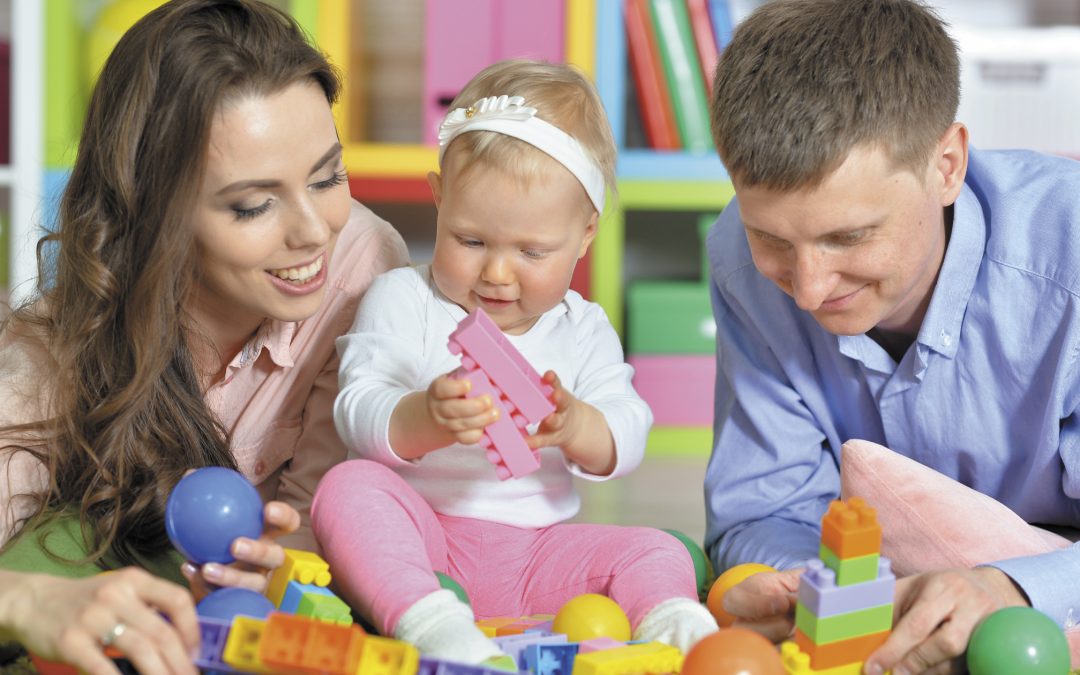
(272, 202)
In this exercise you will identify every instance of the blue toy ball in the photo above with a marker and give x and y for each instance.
(208, 509)
(226, 603)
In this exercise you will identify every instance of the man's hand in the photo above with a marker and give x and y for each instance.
(765, 603)
(937, 612)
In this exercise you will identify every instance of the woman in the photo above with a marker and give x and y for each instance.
(207, 256)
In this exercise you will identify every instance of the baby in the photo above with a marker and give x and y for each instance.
(526, 157)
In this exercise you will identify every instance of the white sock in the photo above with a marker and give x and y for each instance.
(442, 627)
(679, 622)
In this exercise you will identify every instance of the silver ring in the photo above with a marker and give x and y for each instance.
(113, 635)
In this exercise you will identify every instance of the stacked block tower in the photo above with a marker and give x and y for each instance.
(845, 600)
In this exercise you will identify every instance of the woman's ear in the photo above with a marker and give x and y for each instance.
(435, 181)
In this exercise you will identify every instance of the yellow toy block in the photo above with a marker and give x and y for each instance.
(242, 647)
(797, 662)
(385, 656)
(490, 627)
(302, 566)
(650, 657)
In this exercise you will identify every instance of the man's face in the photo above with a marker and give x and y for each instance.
(860, 250)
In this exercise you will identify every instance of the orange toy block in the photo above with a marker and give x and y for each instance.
(850, 529)
(300, 645)
(841, 652)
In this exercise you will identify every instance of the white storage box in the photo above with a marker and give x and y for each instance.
(1020, 87)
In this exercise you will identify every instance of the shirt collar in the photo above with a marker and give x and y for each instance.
(944, 318)
(274, 336)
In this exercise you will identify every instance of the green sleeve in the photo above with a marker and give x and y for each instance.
(51, 548)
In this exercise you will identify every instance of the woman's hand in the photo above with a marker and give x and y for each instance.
(151, 620)
(255, 558)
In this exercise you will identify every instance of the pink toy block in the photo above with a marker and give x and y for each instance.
(482, 345)
(678, 388)
(503, 438)
(598, 644)
(495, 367)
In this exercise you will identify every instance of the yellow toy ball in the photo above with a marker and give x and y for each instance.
(724, 583)
(591, 616)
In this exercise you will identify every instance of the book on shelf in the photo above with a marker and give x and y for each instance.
(675, 42)
(653, 94)
(722, 25)
(704, 39)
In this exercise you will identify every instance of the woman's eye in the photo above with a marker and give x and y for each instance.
(247, 214)
(338, 178)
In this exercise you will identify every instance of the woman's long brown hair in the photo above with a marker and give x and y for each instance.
(127, 415)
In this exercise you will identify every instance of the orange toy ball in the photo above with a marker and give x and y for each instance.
(591, 616)
(733, 651)
(724, 583)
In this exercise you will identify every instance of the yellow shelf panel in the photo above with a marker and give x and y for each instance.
(680, 441)
(390, 160)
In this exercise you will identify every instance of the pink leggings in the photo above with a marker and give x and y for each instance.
(384, 544)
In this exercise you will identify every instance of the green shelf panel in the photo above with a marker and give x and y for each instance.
(680, 195)
(680, 441)
(670, 317)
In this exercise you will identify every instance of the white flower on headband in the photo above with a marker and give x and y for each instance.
(493, 107)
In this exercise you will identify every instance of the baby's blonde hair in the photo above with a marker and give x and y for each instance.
(561, 95)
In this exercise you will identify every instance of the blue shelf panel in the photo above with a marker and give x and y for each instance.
(640, 164)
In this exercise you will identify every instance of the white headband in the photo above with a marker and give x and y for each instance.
(508, 115)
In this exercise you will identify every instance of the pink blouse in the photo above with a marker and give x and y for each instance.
(276, 398)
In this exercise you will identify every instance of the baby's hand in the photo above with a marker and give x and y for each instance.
(560, 428)
(462, 418)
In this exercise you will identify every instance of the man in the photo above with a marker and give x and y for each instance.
(875, 279)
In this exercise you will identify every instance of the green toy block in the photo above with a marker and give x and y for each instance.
(325, 607)
(850, 570)
(843, 626)
(670, 317)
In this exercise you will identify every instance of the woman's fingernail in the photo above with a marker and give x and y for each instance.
(213, 571)
(189, 570)
(241, 549)
(873, 669)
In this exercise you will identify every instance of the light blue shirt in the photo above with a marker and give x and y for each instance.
(988, 394)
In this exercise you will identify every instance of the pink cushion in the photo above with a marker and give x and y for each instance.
(930, 521)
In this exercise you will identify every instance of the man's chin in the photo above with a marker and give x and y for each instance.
(844, 325)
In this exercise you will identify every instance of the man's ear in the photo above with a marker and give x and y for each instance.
(434, 180)
(590, 234)
(951, 162)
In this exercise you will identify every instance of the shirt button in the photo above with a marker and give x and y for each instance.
(946, 339)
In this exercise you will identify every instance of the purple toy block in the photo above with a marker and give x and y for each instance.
(550, 659)
(819, 593)
(482, 345)
(515, 645)
(506, 447)
(430, 666)
(212, 636)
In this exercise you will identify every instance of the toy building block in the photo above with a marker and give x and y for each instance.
(316, 602)
(386, 656)
(242, 646)
(648, 657)
(850, 570)
(503, 625)
(550, 659)
(850, 529)
(303, 566)
(598, 644)
(843, 626)
(213, 633)
(797, 662)
(820, 594)
(483, 346)
(495, 367)
(515, 645)
(299, 645)
(430, 666)
(490, 626)
(841, 652)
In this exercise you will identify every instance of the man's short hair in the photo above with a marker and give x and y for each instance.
(804, 81)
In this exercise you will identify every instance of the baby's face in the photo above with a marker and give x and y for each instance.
(506, 245)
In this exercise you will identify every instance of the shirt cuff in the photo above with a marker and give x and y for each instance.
(1049, 580)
